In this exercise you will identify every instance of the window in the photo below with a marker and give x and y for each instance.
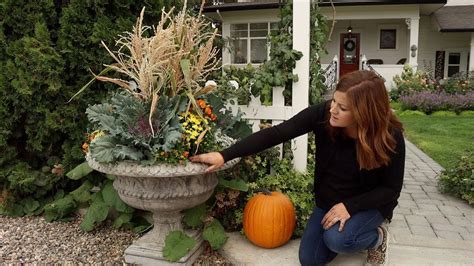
(249, 42)
(454, 63)
(388, 39)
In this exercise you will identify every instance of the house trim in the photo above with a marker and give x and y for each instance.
(279, 3)
(380, 2)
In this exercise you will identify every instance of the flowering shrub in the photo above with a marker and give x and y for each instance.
(412, 81)
(458, 84)
(459, 180)
(429, 102)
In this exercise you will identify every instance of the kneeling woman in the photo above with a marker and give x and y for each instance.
(360, 156)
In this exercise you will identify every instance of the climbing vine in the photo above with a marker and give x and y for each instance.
(319, 38)
(278, 70)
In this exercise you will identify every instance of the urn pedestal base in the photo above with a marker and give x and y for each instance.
(148, 254)
(165, 190)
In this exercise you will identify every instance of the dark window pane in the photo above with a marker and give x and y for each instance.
(388, 39)
(239, 26)
(452, 70)
(258, 33)
(239, 54)
(259, 26)
(258, 51)
(454, 58)
(258, 30)
(239, 30)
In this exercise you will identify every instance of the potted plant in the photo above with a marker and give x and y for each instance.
(158, 118)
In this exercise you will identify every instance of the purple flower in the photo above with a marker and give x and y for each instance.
(141, 128)
(429, 102)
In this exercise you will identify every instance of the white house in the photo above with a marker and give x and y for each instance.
(429, 34)
(380, 35)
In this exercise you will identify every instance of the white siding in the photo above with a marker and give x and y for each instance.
(460, 2)
(431, 40)
(369, 39)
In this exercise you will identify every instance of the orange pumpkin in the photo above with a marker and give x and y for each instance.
(269, 219)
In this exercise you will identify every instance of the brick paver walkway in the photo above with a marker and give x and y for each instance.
(425, 212)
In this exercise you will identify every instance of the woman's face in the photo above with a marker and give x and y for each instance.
(341, 111)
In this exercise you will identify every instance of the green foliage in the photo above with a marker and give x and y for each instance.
(443, 113)
(177, 245)
(83, 193)
(411, 113)
(297, 186)
(459, 180)
(319, 39)
(236, 184)
(411, 81)
(467, 113)
(112, 199)
(47, 49)
(27, 188)
(193, 217)
(79, 171)
(459, 84)
(278, 72)
(232, 125)
(97, 213)
(214, 233)
(97, 193)
(59, 209)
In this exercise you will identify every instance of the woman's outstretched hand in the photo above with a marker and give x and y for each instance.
(214, 159)
(338, 213)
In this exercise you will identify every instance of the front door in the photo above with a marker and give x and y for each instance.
(349, 53)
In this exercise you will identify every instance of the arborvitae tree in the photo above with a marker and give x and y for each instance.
(47, 52)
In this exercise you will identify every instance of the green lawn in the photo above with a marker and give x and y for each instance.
(442, 138)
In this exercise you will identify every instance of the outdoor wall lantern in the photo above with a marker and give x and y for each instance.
(413, 49)
(349, 30)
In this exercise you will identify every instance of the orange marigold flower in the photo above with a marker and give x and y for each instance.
(201, 103)
(85, 147)
(213, 117)
(186, 154)
(208, 111)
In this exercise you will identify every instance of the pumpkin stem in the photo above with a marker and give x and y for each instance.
(264, 191)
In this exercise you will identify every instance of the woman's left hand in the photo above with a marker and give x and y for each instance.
(338, 213)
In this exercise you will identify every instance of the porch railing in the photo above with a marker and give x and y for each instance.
(331, 73)
(220, 2)
(366, 66)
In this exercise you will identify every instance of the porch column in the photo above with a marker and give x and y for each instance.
(471, 55)
(300, 95)
(414, 26)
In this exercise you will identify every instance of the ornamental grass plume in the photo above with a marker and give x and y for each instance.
(163, 111)
(177, 56)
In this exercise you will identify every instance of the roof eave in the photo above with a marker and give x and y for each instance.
(457, 30)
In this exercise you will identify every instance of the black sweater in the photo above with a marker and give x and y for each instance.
(337, 175)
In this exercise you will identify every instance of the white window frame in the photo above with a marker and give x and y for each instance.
(248, 39)
(462, 63)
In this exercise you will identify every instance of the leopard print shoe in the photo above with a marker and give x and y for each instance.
(379, 255)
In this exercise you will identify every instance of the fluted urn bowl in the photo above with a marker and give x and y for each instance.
(165, 190)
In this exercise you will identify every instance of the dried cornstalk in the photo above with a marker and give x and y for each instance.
(153, 63)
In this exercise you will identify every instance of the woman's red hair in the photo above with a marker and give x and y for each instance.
(375, 120)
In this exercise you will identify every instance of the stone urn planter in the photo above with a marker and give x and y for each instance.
(164, 190)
